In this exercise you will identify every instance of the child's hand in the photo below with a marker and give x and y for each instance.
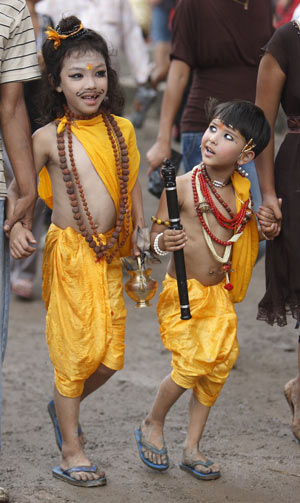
(268, 220)
(269, 231)
(21, 241)
(174, 240)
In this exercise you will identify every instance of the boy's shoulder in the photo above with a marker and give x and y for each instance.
(183, 180)
(45, 132)
(125, 125)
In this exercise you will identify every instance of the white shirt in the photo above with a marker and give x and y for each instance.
(296, 13)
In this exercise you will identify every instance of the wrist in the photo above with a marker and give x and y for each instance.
(156, 246)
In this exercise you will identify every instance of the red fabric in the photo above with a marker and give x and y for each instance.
(284, 14)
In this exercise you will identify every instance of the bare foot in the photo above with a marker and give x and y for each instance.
(292, 394)
(190, 456)
(80, 459)
(152, 436)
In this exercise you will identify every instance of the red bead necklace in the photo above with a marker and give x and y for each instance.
(120, 150)
(236, 223)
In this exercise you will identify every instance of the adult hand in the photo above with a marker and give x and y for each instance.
(23, 212)
(274, 203)
(156, 154)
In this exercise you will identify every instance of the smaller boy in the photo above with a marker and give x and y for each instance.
(220, 240)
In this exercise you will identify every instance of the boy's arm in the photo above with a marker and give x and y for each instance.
(21, 239)
(22, 242)
(40, 159)
(169, 240)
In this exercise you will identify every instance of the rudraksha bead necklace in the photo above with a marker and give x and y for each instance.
(120, 151)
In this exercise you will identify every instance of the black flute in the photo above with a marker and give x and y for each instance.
(169, 176)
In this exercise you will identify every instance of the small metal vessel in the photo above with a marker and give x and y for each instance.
(140, 287)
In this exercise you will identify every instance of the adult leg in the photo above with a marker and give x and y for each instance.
(292, 394)
(153, 425)
(23, 272)
(191, 150)
(67, 410)
(4, 296)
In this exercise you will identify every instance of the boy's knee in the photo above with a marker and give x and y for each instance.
(104, 371)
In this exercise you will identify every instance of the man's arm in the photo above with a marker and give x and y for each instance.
(16, 134)
(178, 77)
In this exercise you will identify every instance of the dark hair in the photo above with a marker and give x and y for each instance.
(85, 40)
(244, 116)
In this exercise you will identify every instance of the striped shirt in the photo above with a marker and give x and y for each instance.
(18, 58)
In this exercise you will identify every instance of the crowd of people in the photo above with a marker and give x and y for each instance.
(229, 81)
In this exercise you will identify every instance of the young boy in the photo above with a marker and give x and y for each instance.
(220, 239)
(92, 159)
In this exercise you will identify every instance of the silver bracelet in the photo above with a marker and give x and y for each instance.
(156, 247)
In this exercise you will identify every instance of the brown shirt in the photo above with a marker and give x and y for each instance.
(221, 42)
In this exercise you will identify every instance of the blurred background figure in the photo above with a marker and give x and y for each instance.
(23, 272)
(142, 11)
(284, 10)
(160, 37)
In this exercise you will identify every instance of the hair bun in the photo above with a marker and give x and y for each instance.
(68, 25)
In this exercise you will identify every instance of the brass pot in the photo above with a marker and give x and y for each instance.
(141, 287)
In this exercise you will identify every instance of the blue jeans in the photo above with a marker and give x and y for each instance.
(4, 295)
(160, 31)
(191, 156)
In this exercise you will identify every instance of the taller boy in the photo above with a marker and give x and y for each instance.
(92, 159)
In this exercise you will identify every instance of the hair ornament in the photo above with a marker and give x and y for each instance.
(248, 147)
(52, 34)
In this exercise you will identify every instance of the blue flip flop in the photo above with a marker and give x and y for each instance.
(65, 475)
(52, 413)
(190, 468)
(150, 447)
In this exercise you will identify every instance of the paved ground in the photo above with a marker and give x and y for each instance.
(247, 433)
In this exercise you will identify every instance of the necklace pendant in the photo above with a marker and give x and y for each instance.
(218, 184)
(203, 207)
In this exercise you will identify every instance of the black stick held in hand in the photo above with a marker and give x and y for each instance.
(169, 176)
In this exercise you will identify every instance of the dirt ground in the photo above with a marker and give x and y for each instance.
(247, 433)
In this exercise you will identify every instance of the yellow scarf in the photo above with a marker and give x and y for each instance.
(93, 136)
(246, 248)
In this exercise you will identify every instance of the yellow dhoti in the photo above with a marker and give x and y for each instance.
(204, 348)
(85, 324)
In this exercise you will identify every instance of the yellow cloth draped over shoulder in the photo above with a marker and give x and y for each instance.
(85, 323)
(93, 136)
(245, 249)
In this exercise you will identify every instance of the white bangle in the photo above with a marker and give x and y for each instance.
(156, 247)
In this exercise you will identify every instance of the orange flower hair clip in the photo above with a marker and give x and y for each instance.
(52, 34)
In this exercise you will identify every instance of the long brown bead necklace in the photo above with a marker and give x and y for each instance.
(120, 150)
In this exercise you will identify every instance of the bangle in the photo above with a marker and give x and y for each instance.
(156, 247)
